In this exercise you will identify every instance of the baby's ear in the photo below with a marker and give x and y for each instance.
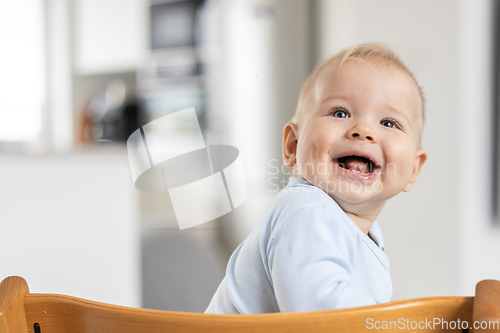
(290, 140)
(420, 159)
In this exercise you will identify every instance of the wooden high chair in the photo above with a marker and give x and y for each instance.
(22, 311)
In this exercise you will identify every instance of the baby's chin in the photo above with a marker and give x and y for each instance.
(353, 195)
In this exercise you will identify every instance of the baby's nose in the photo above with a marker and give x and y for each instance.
(362, 131)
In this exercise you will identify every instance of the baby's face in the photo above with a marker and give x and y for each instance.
(358, 141)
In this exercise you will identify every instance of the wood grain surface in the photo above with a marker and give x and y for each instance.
(487, 305)
(21, 310)
(12, 314)
(58, 313)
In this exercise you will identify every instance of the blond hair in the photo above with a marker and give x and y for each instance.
(364, 51)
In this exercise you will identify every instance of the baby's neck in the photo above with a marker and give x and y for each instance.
(364, 223)
(363, 218)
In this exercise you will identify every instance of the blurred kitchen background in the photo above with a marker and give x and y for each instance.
(78, 76)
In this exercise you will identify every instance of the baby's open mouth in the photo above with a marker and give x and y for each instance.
(359, 164)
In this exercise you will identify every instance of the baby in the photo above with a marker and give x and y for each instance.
(353, 143)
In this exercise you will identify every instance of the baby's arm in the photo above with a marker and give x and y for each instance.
(309, 258)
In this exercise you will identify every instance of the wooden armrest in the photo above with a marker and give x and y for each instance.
(486, 309)
(12, 313)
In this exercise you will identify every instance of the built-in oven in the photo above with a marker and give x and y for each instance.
(172, 77)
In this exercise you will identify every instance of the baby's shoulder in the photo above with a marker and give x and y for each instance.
(299, 196)
(305, 206)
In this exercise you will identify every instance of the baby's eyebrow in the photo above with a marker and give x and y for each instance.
(399, 113)
(338, 96)
(329, 99)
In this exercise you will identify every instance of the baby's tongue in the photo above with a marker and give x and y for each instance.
(356, 164)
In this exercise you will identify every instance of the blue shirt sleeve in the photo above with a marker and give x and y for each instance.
(309, 258)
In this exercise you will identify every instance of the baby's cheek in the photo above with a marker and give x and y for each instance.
(406, 169)
(399, 172)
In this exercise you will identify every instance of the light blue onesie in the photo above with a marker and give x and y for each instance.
(307, 255)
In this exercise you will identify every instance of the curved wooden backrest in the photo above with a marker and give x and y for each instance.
(59, 313)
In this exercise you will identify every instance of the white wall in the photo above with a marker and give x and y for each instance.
(69, 225)
(479, 239)
(422, 228)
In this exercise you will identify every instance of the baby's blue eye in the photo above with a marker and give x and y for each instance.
(388, 123)
(340, 114)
